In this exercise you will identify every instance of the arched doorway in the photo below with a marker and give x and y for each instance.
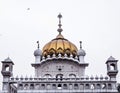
(59, 76)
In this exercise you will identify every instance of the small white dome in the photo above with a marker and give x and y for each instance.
(37, 52)
(81, 52)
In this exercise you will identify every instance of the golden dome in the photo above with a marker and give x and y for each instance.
(59, 45)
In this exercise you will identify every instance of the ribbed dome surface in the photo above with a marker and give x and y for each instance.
(59, 45)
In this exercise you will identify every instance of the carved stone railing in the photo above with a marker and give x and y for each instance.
(65, 84)
(101, 78)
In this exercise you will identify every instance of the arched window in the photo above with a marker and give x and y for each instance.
(26, 86)
(48, 86)
(54, 86)
(64, 86)
(81, 86)
(20, 86)
(87, 86)
(109, 86)
(70, 86)
(75, 86)
(6, 67)
(103, 86)
(42, 86)
(59, 76)
(98, 86)
(37, 86)
(112, 66)
(59, 86)
(47, 76)
(72, 75)
(31, 86)
(92, 86)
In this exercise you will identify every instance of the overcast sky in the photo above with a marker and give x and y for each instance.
(94, 22)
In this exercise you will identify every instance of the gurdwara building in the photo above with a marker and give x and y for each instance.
(59, 68)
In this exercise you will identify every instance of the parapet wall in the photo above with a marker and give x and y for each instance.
(87, 84)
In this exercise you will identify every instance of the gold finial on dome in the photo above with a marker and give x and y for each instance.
(59, 29)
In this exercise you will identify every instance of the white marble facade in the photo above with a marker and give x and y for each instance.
(59, 71)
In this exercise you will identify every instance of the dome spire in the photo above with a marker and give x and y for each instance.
(59, 29)
(80, 44)
(38, 44)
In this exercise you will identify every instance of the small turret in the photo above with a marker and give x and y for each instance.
(112, 69)
(37, 54)
(7, 71)
(81, 53)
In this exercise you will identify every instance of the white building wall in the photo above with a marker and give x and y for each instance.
(59, 67)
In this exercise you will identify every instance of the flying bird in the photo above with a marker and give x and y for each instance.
(28, 8)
